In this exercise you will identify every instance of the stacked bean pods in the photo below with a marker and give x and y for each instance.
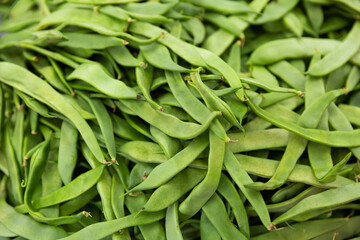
(193, 119)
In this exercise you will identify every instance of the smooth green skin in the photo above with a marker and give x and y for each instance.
(261, 124)
(301, 173)
(224, 7)
(225, 23)
(159, 56)
(34, 118)
(289, 74)
(76, 102)
(103, 229)
(26, 226)
(263, 76)
(353, 78)
(67, 151)
(337, 78)
(332, 138)
(118, 203)
(170, 146)
(293, 23)
(329, 198)
(165, 171)
(141, 151)
(275, 10)
(195, 56)
(207, 230)
(34, 105)
(96, 77)
(268, 87)
(315, 14)
(278, 50)
(18, 135)
(240, 176)
(207, 187)
(6, 233)
(258, 139)
(167, 123)
(306, 230)
(30, 84)
(135, 203)
(271, 98)
(191, 104)
(152, 8)
(196, 28)
(123, 56)
(173, 190)
(172, 223)
(216, 212)
(18, 23)
(83, 18)
(218, 41)
(124, 130)
(105, 123)
(212, 101)
(89, 41)
(286, 205)
(346, 231)
(319, 154)
(339, 121)
(144, 78)
(339, 55)
(102, 184)
(351, 113)
(13, 168)
(228, 191)
(287, 192)
(77, 203)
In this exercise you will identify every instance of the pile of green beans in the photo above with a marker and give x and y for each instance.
(180, 119)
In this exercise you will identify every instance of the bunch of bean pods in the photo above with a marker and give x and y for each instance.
(180, 119)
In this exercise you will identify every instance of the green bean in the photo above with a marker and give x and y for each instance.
(13, 168)
(265, 168)
(216, 212)
(337, 78)
(268, 87)
(137, 124)
(344, 231)
(306, 230)
(34, 117)
(228, 191)
(256, 140)
(170, 145)
(159, 56)
(165, 171)
(334, 138)
(241, 177)
(224, 23)
(20, 22)
(191, 104)
(172, 223)
(18, 134)
(218, 42)
(289, 74)
(67, 152)
(350, 112)
(292, 22)
(214, 102)
(96, 77)
(225, 7)
(206, 188)
(333, 60)
(353, 78)
(149, 152)
(207, 230)
(89, 41)
(123, 56)
(151, 8)
(287, 192)
(275, 11)
(104, 121)
(290, 48)
(196, 29)
(24, 225)
(167, 123)
(124, 130)
(78, 202)
(315, 15)
(339, 196)
(103, 229)
(171, 191)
